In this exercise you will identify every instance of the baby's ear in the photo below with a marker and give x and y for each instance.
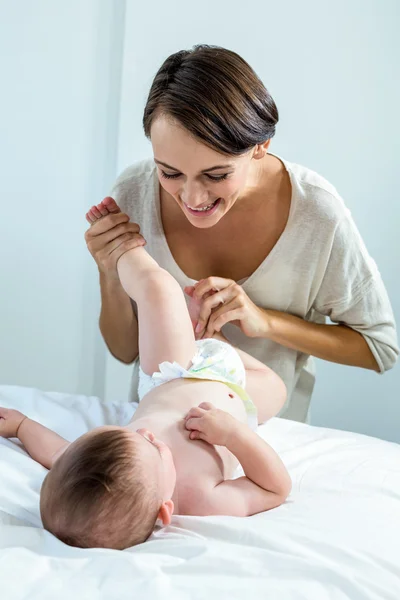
(166, 511)
(146, 434)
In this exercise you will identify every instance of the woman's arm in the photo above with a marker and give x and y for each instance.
(336, 343)
(118, 323)
(347, 288)
(107, 239)
(364, 336)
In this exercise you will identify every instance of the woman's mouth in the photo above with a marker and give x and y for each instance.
(205, 211)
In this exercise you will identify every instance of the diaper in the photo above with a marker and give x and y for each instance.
(214, 360)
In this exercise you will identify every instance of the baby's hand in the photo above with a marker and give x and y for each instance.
(205, 422)
(10, 420)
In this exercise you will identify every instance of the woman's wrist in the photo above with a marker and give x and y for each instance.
(267, 328)
(110, 279)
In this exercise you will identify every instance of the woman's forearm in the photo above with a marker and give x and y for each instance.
(335, 343)
(118, 323)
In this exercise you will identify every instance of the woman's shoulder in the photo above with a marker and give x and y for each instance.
(318, 197)
(138, 174)
(135, 186)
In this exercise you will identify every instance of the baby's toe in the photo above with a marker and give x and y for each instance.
(111, 205)
(95, 213)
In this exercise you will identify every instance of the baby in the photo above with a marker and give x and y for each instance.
(200, 401)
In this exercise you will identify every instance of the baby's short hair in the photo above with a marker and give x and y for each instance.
(98, 494)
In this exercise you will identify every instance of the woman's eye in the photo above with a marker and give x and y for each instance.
(211, 177)
(217, 177)
(169, 175)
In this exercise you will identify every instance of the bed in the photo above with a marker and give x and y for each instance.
(336, 537)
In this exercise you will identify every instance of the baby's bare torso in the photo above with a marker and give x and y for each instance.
(199, 466)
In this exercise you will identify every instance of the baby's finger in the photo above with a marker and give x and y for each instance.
(194, 423)
(206, 406)
(194, 412)
(194, 435)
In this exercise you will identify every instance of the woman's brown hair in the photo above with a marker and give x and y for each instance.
(216, 96)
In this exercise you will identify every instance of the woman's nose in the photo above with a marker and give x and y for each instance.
(195, 196)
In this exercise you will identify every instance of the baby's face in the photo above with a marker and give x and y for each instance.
(158, 460)
(155, 456)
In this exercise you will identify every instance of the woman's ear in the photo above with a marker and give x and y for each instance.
(166, 511)
(261, 150)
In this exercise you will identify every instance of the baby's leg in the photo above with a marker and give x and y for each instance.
(165, 329)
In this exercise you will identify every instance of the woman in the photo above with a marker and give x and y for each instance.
(222, 214)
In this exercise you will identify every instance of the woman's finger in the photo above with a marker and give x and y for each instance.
(212, 302)
(107, 223)
(211, 283)
(119, 230)
(211, 326)
(113, 238)
(236, 314)
(127, 241)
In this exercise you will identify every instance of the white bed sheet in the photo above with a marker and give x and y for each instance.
(336, 537)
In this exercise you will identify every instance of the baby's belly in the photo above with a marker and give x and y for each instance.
(172, 401)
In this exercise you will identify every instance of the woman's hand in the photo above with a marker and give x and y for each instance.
(223, 301)
(109, 238)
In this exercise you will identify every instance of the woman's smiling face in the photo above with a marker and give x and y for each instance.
(203, 182)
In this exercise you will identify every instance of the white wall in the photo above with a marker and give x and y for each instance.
(331, 69)
(59, 101)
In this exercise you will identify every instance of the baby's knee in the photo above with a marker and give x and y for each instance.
(156, 282)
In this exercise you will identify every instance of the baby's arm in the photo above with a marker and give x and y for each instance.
(263, 385)
(43, 445)
(266, 483)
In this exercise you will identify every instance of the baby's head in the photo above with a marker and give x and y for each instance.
(108, 489)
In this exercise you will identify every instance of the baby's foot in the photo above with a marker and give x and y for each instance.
(106, 207)
(194, 304)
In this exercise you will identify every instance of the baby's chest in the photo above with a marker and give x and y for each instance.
(199, 469)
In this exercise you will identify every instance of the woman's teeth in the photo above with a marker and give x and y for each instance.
(205, 207)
